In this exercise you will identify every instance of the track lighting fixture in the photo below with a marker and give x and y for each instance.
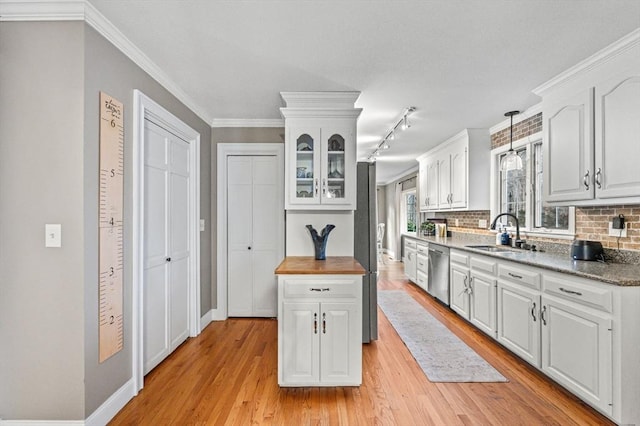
(512, 160)
(402, 124)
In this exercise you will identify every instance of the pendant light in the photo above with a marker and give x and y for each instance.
(512, 160)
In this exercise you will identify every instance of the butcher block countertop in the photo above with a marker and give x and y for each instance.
(308, 265)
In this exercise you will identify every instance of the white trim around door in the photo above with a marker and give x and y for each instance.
(224, 151)
(145, 108)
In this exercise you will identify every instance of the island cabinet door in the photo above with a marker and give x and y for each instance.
(340, 344)
(301, 343)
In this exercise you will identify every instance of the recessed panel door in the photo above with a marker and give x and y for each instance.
(165, 244)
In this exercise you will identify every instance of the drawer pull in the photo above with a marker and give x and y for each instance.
(515, 276)
(577, 293)
(319, 289)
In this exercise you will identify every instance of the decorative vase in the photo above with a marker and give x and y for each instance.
(320, 240)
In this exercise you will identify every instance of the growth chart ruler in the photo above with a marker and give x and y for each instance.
(110, 223)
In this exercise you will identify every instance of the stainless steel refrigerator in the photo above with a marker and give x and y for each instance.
(365, 249)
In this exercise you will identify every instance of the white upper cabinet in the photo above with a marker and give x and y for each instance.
(591, 129)
(455, 174)
(617, 137)
(320, 150)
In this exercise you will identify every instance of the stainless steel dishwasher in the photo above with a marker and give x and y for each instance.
(438, 276)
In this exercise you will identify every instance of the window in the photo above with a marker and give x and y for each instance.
(513, 194)
(408, 212)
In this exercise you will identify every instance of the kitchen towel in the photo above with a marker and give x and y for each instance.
(441, 354)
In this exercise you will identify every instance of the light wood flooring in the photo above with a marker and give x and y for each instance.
(228, 375)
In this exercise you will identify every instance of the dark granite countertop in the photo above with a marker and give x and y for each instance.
(620, 274)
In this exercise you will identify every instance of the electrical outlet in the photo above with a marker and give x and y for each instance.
(621, 233)
(457, 222)
(201, 225)
(482, 223)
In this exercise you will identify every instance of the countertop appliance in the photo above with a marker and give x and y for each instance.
(587, 250)
(438, 273)
(365, 250)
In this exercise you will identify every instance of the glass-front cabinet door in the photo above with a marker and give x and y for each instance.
(307, 186)
(318, 167)
(334, 175)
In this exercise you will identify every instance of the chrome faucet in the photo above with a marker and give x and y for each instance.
(518, 241)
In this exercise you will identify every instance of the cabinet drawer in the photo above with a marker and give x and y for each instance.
(319, 288)
(422, 280)
(422, 261)
(422, 249)
(409, 243)
(579, 291)
(519, 275)
(459, 257)
(483, 264)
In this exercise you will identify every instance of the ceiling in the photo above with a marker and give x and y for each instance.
(461, 63)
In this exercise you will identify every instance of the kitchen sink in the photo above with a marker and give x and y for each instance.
(490, 248)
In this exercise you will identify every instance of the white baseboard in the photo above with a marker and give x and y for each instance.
(100, 417)
(206, 319)
(41, 422)
(113, 405)
(218, 315)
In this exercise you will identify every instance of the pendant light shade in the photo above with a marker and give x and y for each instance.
(512, 160)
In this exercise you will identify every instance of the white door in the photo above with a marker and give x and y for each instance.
(301, 342)
(459, 177)
(459, 293)
(618, 138)
(482, 312)
(519, 321)
(576, 350)
(166, 244)
(253, 235)
(340, 359)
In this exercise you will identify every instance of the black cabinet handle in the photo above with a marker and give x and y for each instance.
(168, 259)
(249, 248)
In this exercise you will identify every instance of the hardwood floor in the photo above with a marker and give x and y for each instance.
(228, 375)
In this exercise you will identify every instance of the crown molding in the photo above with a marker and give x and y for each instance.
(591, 62)
(82, 10)
(247, 122)
(320, 99)
(399, 176)
(525, 115)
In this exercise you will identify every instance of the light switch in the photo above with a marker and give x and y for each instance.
(201, 224)
(53, 235)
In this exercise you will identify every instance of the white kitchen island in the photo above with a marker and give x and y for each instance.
(319, 321)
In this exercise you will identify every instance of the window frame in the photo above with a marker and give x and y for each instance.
(528, 227)
(403, 211)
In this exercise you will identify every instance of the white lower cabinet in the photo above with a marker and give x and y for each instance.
(563, 326)
(410, 259)
(483, 302)
(319, 330)
(518, 321)
(576, 350)
(473, 290)
(459, 290)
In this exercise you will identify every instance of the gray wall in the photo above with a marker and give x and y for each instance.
(50, 76)
(109, 70)
(232, 135)
(41, 170)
